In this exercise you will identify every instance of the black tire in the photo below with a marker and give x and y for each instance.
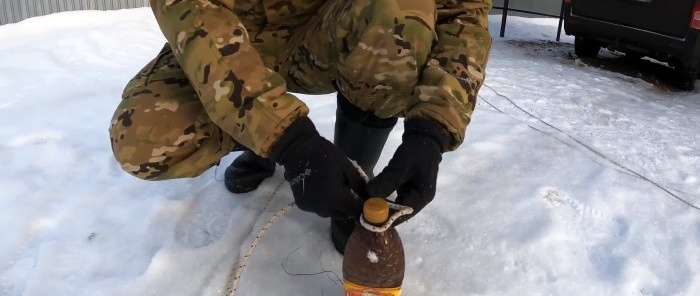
(686, 78)
(586, 48)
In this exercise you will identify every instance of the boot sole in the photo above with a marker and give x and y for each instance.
(245, 187)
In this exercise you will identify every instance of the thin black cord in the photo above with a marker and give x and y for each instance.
(337, 283)
(302, 274)
(492, 106)
(591, 149)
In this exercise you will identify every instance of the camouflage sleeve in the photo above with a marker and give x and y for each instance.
(448, 85)
(239, 93)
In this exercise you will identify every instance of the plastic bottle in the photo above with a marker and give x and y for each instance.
(374, 261)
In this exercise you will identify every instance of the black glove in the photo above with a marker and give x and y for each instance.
(413, 170)
(323, 180)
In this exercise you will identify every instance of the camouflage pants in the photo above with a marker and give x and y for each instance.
(162, 130)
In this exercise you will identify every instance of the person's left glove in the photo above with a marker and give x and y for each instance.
(413, 170)
(322, 179)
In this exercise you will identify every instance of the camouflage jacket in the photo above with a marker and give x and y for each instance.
(235, 66)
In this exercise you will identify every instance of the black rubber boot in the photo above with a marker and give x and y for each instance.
(361, 135)
(340, 232)
(247, 171)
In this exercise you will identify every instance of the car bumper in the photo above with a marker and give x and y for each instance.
(686, 49)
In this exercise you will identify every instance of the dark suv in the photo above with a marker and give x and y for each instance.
(666, 30)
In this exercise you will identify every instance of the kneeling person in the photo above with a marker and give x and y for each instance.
(223, 83)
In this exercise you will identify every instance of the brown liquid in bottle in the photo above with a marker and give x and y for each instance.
(374, 261)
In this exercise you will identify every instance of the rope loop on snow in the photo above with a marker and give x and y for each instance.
(238, 267)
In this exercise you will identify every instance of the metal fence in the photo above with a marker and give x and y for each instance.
(547, 8)
(12, 11)
(539, 7)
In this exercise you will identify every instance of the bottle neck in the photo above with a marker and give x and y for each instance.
(373, 227)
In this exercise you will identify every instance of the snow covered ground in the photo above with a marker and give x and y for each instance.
(574, 180)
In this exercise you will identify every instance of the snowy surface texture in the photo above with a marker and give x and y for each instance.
(573, 180)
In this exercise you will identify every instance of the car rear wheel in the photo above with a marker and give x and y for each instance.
(586, 48)
(686, 78)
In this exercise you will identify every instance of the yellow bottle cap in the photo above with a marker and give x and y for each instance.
(376, 210)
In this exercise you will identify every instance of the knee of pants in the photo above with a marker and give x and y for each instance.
(141, 152)
(390, 48)
(158, 144)
(160, 129)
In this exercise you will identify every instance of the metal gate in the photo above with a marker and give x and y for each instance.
(12, 11)
(547, 8)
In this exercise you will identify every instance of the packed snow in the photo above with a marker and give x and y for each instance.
(372, 256)
(574, 180)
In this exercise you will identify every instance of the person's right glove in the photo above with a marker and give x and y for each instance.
(322, 179)
(413, 170)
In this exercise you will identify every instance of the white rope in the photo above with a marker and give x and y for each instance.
(399, 211)
(237, 271)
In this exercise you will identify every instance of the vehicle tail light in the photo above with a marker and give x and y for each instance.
(695, 16)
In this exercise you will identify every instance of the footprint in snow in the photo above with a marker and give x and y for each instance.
(203, 223)
(597, 233)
